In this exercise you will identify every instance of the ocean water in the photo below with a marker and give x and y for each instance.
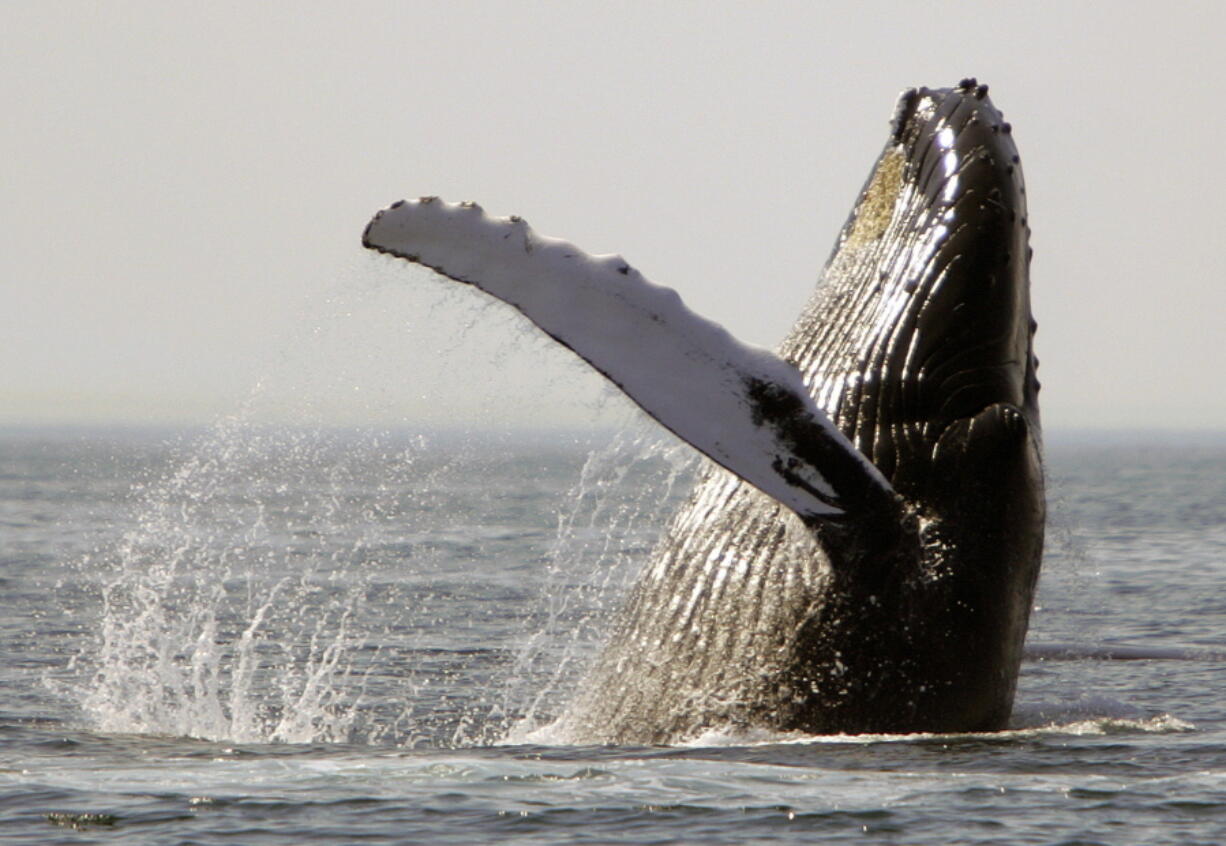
(263, 636)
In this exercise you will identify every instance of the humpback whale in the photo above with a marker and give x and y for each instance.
(861, 554)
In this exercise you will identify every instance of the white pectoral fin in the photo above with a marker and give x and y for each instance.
(742, 406)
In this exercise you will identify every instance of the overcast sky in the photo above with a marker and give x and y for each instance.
(185, 185)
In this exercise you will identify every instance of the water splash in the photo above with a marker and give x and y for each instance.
(301, 585)
(228, 609)
(624, 494)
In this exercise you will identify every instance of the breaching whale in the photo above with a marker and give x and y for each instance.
(862, 555)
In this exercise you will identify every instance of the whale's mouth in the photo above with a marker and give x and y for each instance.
(924, 307)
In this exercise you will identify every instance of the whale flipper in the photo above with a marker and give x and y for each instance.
(742, 406)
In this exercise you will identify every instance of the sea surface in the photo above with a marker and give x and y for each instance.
(283, 636)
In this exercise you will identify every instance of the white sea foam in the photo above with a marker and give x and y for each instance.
(1052, 724)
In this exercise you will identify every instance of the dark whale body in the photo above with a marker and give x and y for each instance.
(903, 608)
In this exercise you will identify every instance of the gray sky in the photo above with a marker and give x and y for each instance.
(185, 185)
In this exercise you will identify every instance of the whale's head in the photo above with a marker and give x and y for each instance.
(922, 321)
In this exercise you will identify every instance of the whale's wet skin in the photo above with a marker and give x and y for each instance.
(869, 563)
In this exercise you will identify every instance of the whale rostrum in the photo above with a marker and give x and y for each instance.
(862, 554)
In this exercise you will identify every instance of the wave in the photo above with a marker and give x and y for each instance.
(1117, 652)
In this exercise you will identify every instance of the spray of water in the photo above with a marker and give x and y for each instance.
(228, 607)
(238, 606)
(615, 513)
